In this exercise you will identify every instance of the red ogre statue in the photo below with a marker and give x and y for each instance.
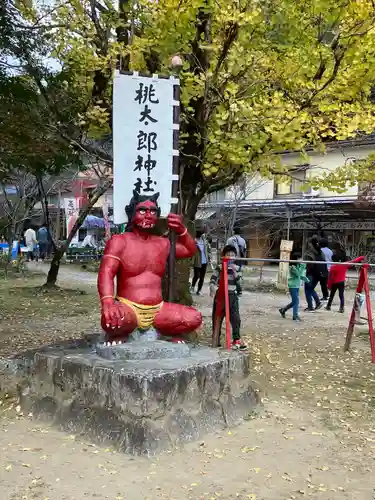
(137, 259)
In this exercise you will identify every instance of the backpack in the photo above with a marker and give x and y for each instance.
(241, 249)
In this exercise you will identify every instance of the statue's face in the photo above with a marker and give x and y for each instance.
(146, 215)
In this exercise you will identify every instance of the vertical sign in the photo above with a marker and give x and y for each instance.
(145, 140)
(286, 248)
(71, 215)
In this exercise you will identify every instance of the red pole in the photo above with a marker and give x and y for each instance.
(369, 312)
(226, 298)
(218, 320)
(349, 333)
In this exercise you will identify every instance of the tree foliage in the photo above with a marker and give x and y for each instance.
(258, 77)
(28, 139)
(41, 134)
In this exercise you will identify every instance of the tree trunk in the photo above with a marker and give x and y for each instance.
(10, 248)
(54, 267)
(182, 287)
(182, 272)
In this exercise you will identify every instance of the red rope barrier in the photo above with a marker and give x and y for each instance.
(226, 299)
(363, 285)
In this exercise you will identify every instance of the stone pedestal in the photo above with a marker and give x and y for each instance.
(139, 397)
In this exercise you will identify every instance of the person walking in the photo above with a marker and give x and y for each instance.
(297, 273)
(327, 254)
(337, 277)
(234, 275)
(314, 274)
(200, 261)
(30, 242)
(239, 243)
(43, 241)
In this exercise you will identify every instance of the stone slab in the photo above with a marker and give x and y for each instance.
(156, 349)
(138, 406)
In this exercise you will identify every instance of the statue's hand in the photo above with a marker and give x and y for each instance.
(115, 315)
(175, 223)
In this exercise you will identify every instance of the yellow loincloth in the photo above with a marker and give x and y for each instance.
(145, 314)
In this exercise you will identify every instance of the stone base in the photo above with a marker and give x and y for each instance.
(157, 349)
(139, 406)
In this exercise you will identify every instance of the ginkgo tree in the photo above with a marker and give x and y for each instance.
(257, 77)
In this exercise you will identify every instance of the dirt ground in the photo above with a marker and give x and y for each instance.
(313, 436)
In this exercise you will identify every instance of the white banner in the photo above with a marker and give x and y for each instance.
(142, 140)
(107, 226)
(71, 215)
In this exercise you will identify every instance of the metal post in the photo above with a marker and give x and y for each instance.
(171, 265)
(176, 208)
(303, 242)
(289, 215)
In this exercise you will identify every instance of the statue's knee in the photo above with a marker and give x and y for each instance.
(196, 319)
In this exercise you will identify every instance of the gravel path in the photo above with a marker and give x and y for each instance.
(313, 437)
(67, 274)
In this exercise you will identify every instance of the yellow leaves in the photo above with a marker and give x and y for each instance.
(246, 449)
(8, 468)
(286, 477)
(272, 361)
(24, 4)
(98, 119)
(261, 99)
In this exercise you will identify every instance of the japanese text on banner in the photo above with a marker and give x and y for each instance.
(143, 135)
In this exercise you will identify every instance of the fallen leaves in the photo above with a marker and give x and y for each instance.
(246, 449)
(300, 372)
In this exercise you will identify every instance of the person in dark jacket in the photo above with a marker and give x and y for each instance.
(314, 273)
(234, 276)
(327, 255)
(43, 241)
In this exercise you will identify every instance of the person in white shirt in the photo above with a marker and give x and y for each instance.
(89, 241)
(327, 252)
(327, 255)
(200, 261)
(30, 242)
